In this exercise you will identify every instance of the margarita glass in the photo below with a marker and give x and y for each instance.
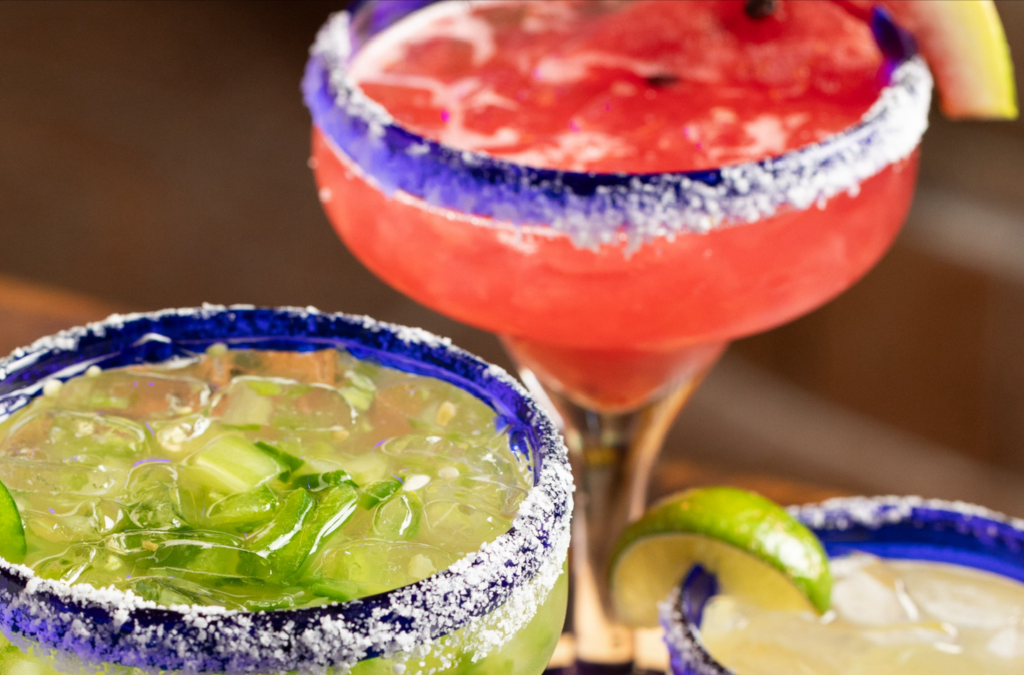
(614, 292)
(951, 612)
(500, 607)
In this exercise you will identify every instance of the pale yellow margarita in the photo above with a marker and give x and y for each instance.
(888, 617)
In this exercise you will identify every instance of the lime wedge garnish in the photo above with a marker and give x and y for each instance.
(757, 551)
(12, 532)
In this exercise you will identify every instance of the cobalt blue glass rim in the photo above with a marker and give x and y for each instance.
(889, 527)
(601, 208)
(109, 626)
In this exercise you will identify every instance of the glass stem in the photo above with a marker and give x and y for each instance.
(612, 457)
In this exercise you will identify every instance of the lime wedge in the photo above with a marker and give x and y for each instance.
(12, 532)
(752, 545)
(965, 45)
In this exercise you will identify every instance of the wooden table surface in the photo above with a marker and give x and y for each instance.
(29, 311)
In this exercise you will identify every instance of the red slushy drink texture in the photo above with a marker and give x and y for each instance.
(635, 87)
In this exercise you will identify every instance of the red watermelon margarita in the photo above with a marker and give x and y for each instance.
(611, 290)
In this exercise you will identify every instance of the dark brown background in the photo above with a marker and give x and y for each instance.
(154, 154)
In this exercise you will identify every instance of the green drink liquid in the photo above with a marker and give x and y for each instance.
(257, 479)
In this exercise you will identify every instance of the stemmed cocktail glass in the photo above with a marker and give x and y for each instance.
(614, 293)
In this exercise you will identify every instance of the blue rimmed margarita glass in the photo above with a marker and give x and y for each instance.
(614, 293)
(499, 609)
(905, 528)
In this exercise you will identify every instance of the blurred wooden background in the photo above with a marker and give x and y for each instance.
(154, 154)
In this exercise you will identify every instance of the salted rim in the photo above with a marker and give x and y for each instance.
(507, 578)
(595, 209)
(688, 655)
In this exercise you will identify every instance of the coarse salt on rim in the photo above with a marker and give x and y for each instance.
(595, 209)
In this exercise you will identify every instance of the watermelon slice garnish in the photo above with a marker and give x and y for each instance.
(965, 46)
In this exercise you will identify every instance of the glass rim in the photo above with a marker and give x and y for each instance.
(594, 209)
(98, 626)
(839, 515)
